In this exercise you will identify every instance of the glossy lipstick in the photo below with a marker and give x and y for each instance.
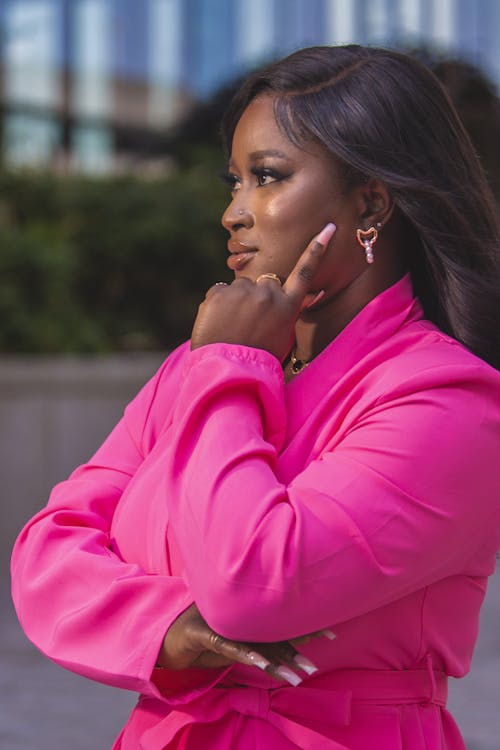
(239, 254)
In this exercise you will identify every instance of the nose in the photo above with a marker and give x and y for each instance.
(237, 216)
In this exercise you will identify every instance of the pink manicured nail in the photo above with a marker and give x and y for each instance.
(305, 664)
(328, 634)
(326, 234)
(317, 298)
(258, 660)
(289, 676)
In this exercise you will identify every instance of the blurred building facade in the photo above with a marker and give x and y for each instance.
(93, 85)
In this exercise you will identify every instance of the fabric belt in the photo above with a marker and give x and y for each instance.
(326, 699)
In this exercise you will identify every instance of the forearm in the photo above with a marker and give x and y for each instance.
(363, 523)
(84, 607)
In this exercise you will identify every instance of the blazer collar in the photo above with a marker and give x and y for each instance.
(394, 308)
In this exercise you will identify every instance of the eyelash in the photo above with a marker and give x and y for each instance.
(260, 173)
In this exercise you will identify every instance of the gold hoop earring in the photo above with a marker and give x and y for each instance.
(367, 238)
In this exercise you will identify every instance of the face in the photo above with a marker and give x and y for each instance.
(282, 196)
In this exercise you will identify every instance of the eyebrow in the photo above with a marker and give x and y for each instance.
(258, 155)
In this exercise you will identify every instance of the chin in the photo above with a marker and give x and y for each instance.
(243, 274)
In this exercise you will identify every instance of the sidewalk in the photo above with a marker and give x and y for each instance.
(43, 707)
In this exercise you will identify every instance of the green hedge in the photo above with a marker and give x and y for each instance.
(113, 264)
(101, 265)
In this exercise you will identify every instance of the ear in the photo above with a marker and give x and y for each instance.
(375, 204)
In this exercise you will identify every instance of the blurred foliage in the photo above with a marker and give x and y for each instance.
(98, 265)
(476, 101)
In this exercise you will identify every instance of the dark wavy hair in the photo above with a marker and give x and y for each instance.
(383, 114)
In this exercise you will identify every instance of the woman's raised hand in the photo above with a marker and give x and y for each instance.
(261, 314)
(190, 642)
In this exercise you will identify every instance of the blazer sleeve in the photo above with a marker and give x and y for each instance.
(77, 600)
(405, 498)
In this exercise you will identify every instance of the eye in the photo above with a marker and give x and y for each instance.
(230, 179)
(266, 176)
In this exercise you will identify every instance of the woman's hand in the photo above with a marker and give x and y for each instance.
(260, 314)
(190, 642)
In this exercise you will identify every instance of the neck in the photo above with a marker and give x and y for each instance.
(317, 328)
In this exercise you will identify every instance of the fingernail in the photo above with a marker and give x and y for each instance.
(328, 634)
(326, 234)
(260, 661)
(305, 664)
(317, 298)
(289, 676)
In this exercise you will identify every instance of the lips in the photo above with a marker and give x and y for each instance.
(239, 254)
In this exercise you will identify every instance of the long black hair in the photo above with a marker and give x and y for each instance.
(383, 114)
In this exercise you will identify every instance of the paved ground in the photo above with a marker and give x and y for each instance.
(43, 707)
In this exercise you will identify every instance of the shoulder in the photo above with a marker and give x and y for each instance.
(422, 357)
(423, 374)
(428, 419)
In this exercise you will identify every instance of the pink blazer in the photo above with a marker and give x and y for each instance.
(362, 496)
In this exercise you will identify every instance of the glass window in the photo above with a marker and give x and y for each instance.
(340, 21)
(92, 149)
(165, 60)
(255, 31)
(92, 95)
(30, 53)
(30, 140)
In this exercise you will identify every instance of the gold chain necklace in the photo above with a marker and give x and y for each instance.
(297, 365)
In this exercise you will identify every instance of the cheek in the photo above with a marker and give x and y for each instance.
(299, 215)
(289, 236)
(283, 230)
(276, 211)
(313, 207)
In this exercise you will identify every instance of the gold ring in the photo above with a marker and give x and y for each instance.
(272, 276)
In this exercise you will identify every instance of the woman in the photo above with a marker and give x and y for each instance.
(322, 456)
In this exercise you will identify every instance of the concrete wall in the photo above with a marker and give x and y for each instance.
(54, 413)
